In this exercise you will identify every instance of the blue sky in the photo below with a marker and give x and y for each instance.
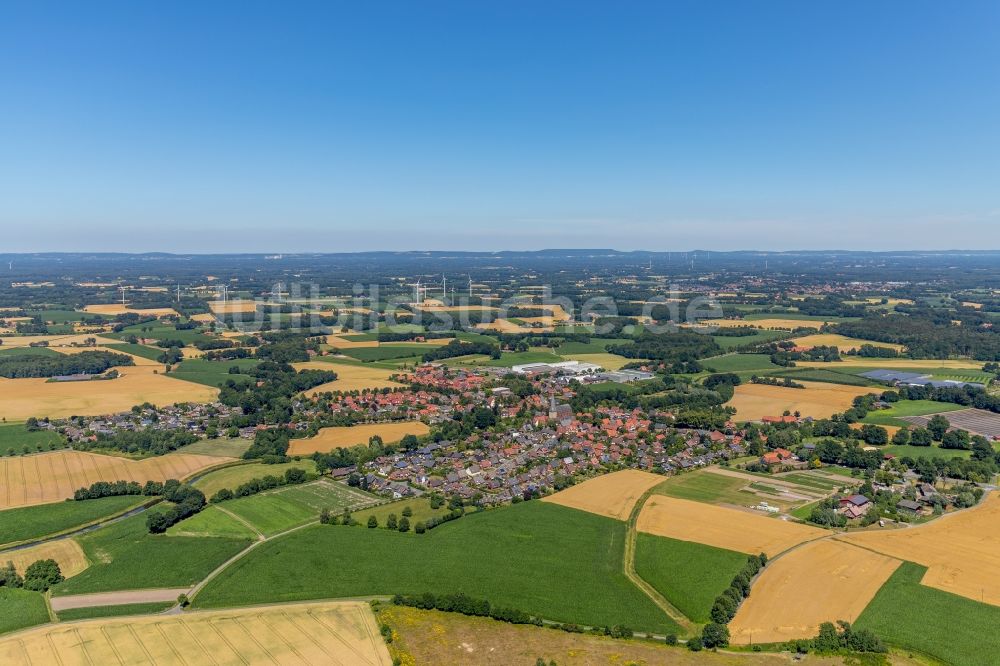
(335, 126)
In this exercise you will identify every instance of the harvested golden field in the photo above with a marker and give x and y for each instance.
(138, 360)
(974, 306)
(231, 307)
(432, 637)
(506, 326)
(822, 581)
(56, 341)
(203, 318)
(23, 398)
(783, 324)
(350, 377)
(112, 309)
(841, 342)
(612, 495)
(891, 302)
(606, 361)
(345, 342)
(52, 477)
(332, 438)
(818, 400)
(427, 306)
(961, 550)
(333, 632)
(66, 552)
(721, 527)
(891, 363)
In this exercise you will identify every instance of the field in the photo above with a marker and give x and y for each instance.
(420, 506)
(432, 637)
(33, 522)
(325, 633)
(234, 475)
(818, 400)
(89, 612)
(125, 556)
(904, 408)
(16, 437)
(112, 309)
(66, 552)
(51, 477)
(976, 421)
(902, 364)
(841, 342)
(762, 335)
(350, 376)
(785, 324)
(721, 527)
(605, 360)
(478, 553)
(279, 510)
(23, 398)
(212, 373)
(612, 495)
(823, 581)
(230, 307)
(908, 614)
(344, 436)
(223, 446)
(725, 486)
(54, 341)
(748, 363)
(690, 575)
(20, 609)
(973, 533)
(213, 521)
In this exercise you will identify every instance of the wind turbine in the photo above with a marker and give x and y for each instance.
(470, 286)
(122, 289)
(444, 287)
(418, 291)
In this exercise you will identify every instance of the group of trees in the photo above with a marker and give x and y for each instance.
(118, 488)
(187, 501)
(928, 333)
(148, 441)
(727, 603)
(292, 476)
(459, 348)
(466, 605)
(269, 398)
(39, 576)
(679, 351)
(86, 362)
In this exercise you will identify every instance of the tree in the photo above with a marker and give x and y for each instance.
(404, 524)
(937, 426)
(183, 601)
(9, 576)
(715, 635)
(372, 522)
(956, 439)
(392, 522)
(902, 437)
(407, 511)
(42, 574)
(694, 644)
(874, 435)
(921, 437)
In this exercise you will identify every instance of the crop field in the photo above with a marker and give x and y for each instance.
(350, 376)
(278, 510)
(24, 398)
(14, 437)
(234, 475)
(961, 551)
(53, 341)
(213, 521)
(730, 487)
(896, 414)
(612, 495)
(690, 575)
(605, 360)
(818, 400)
(385, 352)
(907, 614)
(231, 307)
(341, 632)
(823, 581)
(552, 542)
(707, 486)
(19, 609)
(508, 326)
(213, 373)
(339, 437)
(51, 477)
(225, 447)
(419, 506)
(433, 637)
(66, 552)
(841, 342)
(749, 363)
(112, 309)
(90, 612)
(350, 342)
(976, 421)
(144, 359)
(33, 522)
(902, 364)
(785, 324)
(125, 556)
(761, 336)
(731, 529)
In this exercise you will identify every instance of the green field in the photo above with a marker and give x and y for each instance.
(892, 416)
(814, 481)
(14, 437)
(212, 522)
(827, 375)
(222, 446)
(559, 563)
(595, 346)
(213, 373)
(508, 359)
(421, 507)
(690, 575)
(702, 486)
(112, 611)
(9, 352)
(125, 556)
(279, 510)
(20, 609)
(141, 351)
(34, 522)
(945, 626)
(728, 342)
(748, 363)
(388, 353)
(794, 315)
(230, 477)
(60, 316)
(933, 451)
